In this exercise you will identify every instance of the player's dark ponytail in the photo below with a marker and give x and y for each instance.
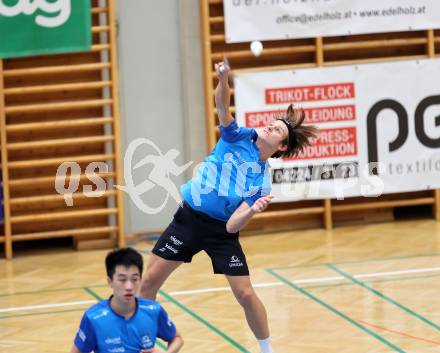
(300, 136)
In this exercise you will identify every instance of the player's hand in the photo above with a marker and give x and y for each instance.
(222, 69)
(261, 204)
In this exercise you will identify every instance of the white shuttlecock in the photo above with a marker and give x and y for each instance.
(256, 47)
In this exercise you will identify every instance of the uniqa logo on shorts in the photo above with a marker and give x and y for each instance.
(235, 262)
(59, 11)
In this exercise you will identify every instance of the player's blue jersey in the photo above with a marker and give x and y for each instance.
(102, 330)
(231, 174)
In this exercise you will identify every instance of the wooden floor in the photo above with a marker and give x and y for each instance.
(363, 289)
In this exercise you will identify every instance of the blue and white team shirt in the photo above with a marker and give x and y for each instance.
(231, 174)
(104, 331)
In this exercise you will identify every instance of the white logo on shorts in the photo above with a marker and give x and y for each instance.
(169, 247)
(176, 241)
(235, 262)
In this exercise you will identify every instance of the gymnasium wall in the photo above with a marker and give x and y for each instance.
(54, 109)
(161, 91)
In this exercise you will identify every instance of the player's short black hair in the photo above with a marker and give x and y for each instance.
(126, 257)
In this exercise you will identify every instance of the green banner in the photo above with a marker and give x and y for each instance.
(31, 27)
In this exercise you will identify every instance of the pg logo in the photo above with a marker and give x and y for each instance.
(403, 126)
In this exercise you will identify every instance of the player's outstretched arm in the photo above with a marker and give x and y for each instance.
(223, 93)
(243, 214)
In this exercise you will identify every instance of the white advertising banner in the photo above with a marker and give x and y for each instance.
(379, 127)
(249, 20)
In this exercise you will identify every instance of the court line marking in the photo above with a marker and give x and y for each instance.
(260, 285)
(275, 268)
(399, 333)
(12, 343)
(376, 259)
(381, 280)
(204, 322)
(16, 342)
(335, 311)
(93, 294)
(50, 290)
(312, 280)
(305, 287)
(384, 296)
(41, 313)
(45, 306)
(227, 289)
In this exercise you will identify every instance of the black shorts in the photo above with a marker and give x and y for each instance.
(192, 231)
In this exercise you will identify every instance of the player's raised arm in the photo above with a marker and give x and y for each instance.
(222, 93)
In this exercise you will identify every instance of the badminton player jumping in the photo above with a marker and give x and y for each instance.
(231, 186)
